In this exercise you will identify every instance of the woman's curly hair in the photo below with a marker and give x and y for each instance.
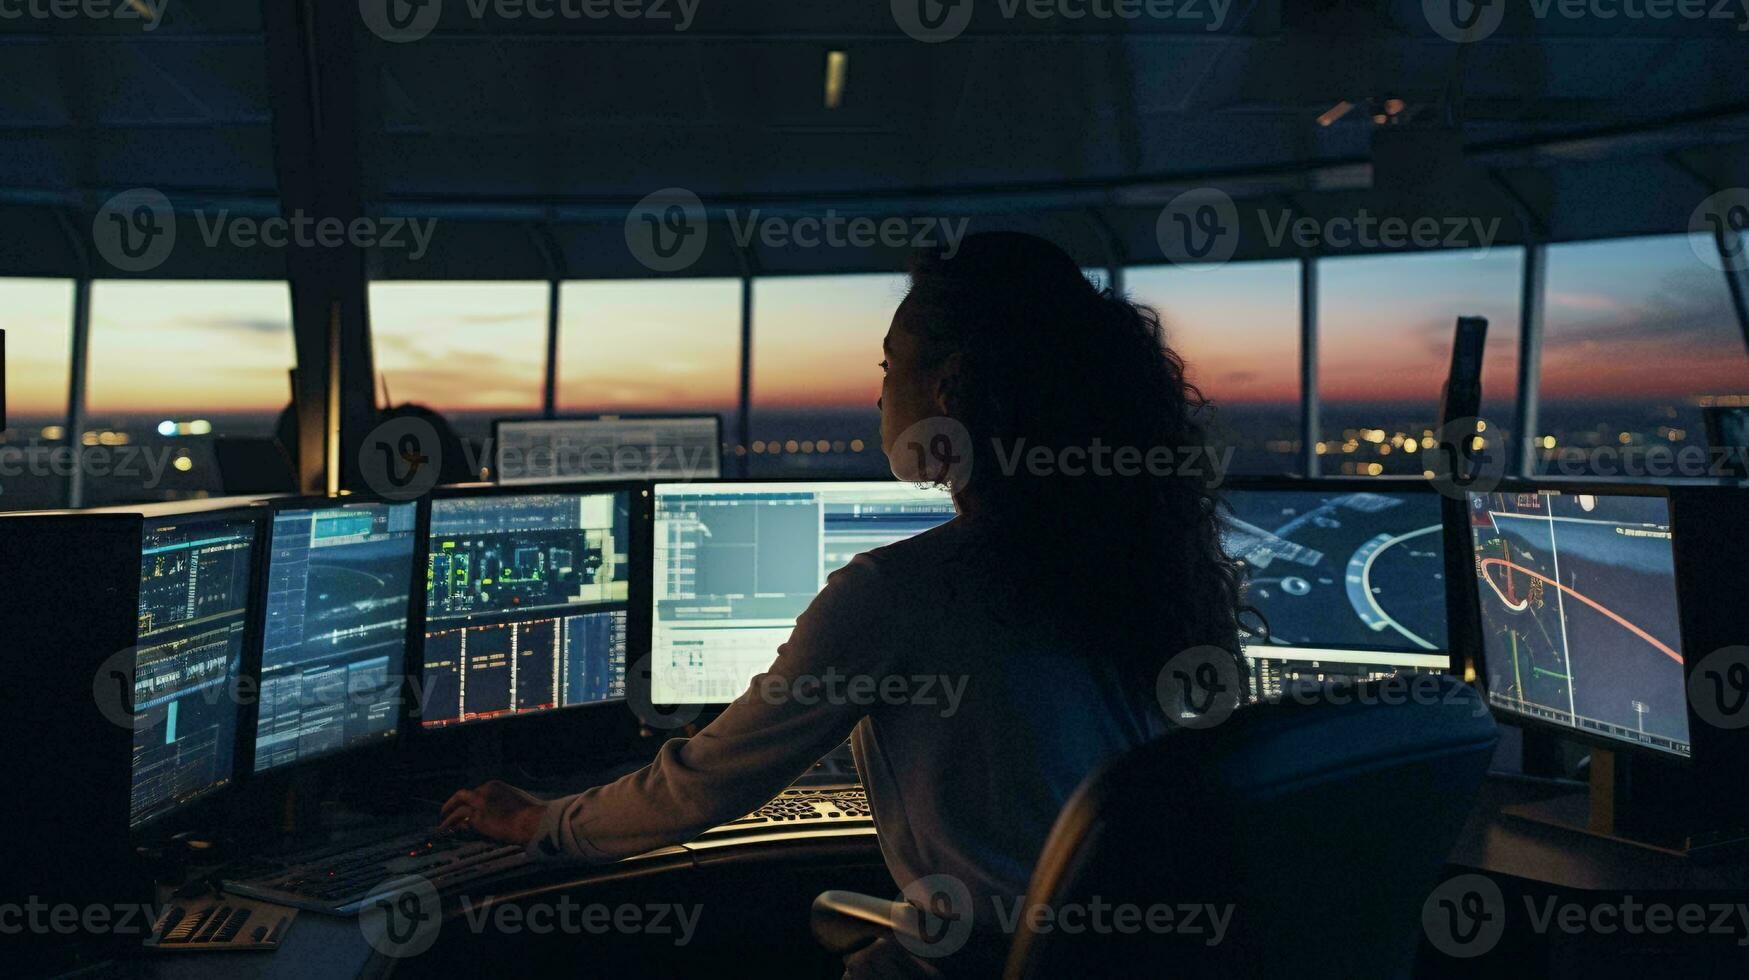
(1048, 359)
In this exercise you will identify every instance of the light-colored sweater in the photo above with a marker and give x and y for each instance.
(971, 716)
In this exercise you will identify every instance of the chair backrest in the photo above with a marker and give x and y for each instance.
(1295, 838)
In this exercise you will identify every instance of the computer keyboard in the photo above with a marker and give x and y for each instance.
(840, 805)
(341, 879)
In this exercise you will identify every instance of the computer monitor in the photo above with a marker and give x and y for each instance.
(526, 601)
(1579, 620)
(607, 447)
(1349, 579)
(340, 579)
(196, 573)
(736, 563)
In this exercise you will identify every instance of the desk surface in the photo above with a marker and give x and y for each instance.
(1499, 844)
(1493, 843)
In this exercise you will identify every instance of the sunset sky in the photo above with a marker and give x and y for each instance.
(180, 349)
(1632, 318)
(673, 345)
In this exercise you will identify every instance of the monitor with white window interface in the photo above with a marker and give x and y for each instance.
(1350, 580)
(196, 573)
(1580, 627)
(606, 448)
(334, 639)
(526, 601)
(736, 563)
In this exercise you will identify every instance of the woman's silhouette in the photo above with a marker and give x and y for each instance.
(1051, 603)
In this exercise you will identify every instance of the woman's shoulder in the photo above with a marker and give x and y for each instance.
(927, 549)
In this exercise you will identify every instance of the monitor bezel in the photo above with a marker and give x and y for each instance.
(498, 424)
(242, 750)
(1417, 486)
(638, 586)
(387, 746)
(1473, 616)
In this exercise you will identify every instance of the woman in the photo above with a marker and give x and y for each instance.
(1074, 569)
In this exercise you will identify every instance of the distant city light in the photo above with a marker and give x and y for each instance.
(166, 428)
(183, 464)
(53, 432)
(856, 445)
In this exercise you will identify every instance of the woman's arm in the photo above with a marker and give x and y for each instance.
(790, 716)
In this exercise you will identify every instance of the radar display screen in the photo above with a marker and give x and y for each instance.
(1579, 613)
(1350, 583)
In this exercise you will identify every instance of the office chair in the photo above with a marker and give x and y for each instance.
(1322, 821)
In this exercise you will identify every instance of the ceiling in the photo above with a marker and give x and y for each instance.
(529, 139)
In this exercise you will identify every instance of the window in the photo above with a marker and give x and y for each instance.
(37, 315)
(473, 351)
(816, 344)
(173, 364)
(650, 346)
(1237, 327)
(1385, 326)
(1638, 334)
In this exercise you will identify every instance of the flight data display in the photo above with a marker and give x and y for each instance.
(334, 643)
(1351, 583)
(194, 593)
(526, 600)
(1579, 613)
(735, 564)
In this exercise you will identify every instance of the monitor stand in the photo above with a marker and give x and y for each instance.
(1655, 820)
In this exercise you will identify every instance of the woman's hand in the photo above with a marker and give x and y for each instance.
(497, 810)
